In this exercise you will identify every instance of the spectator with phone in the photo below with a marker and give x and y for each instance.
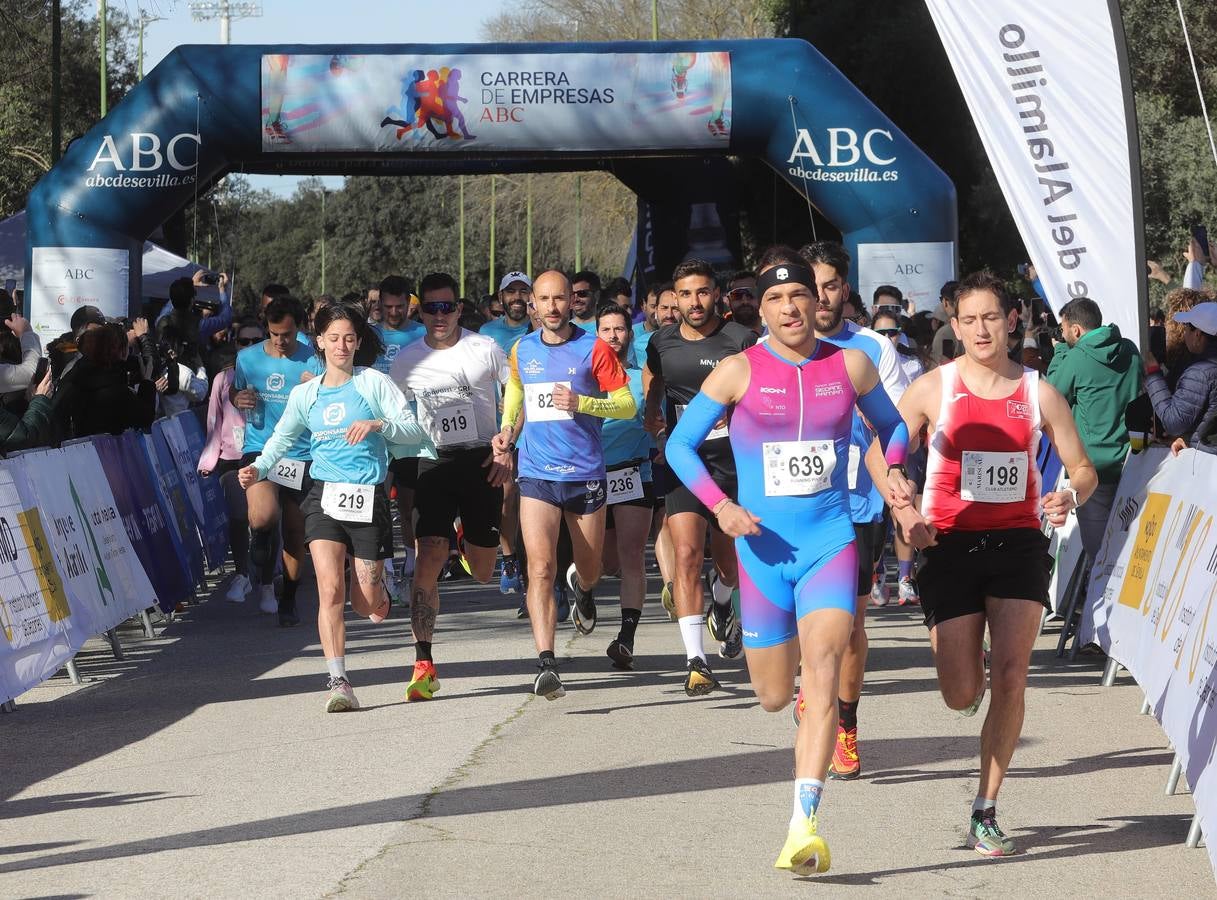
(1098, 373)
(99, 394)
(1190, 410)
(201, 319)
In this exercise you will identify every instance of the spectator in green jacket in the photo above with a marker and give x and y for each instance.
(1099, 373)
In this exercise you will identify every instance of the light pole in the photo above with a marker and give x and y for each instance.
(144, 20)
(493, 180)
(654, 20)
(56, 68)
(528, 226)
(578, 222)
(461, 221)
(101, 25)
(225, 11)
(323, 240)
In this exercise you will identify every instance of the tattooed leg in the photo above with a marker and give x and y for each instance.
(368, 591)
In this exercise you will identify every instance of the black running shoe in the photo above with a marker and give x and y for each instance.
(699, 680)
(522, 612)
(621, 654)
(288, 619)
(548, 684)
(720, 621)
(585, 603)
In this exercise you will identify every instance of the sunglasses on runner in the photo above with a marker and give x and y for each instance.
(248, 342)
(439, 308)
(888, 332)
(582, 294)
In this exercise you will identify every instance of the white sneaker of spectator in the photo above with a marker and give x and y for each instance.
(238, 589)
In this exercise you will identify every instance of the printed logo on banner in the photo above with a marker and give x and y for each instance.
(145, 153)
(826, 157)
(1134, 589)
(43, 560)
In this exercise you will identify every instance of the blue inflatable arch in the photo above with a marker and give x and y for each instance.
(446, 109)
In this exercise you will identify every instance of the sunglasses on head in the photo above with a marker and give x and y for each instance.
(439, 308)
(248, 342)
(584, 294)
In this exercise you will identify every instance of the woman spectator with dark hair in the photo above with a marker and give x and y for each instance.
(96, 396)
(1190, 409)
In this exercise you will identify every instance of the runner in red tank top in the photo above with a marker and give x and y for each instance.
(986, 557)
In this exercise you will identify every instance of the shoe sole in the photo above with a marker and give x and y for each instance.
(701, 687)
(286, 621)
(813, 859)
(622, 659)
(669, 602)
(340, 704)
(974, 844)
(845, 776)
(420, 691)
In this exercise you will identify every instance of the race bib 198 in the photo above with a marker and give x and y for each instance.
(798, 468)
(993, 477)
(287, 472)
(348, 502)
(624, 484)
(539, 402)
(453, 425)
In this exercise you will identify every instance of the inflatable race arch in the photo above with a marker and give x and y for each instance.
(630, 107)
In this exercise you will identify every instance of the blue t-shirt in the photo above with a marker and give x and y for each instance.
(625, 439)
(589, 326)
(273, 378)
(503, 333)
(333, 458)
(558, 446)
(642, 337)
(865, 501)
(394, 339)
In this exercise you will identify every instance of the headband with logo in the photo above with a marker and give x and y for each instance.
(786, 273)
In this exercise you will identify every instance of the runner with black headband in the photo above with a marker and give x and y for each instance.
(357, 419)
(791, 401)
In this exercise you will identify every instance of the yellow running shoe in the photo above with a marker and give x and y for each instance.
(805, 852)
(423, 683)
(668, 599)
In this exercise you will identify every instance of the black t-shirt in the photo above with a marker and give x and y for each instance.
(684, 364)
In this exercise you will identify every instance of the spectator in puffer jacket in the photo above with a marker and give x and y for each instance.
(1190, 411)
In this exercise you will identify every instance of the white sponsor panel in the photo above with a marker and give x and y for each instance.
(1043, 82)
(918, 269)
(470, 103)
(63, 279)
(1151, 604)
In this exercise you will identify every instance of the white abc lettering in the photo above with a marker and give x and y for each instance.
(138, 152)
(869, 150)
(171, 151)
(844, 148)
(836, 146)
(107, 152)
(804, 148)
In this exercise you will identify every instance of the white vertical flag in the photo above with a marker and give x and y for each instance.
(1046, 82)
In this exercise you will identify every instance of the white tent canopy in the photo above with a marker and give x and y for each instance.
(161, 267)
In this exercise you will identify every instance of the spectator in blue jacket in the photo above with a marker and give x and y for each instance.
(1190, 411)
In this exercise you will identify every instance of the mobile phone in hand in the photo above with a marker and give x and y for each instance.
(1201, 234)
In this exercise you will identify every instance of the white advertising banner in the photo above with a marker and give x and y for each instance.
(466, 103)
(1044, 83)
(919, 270)
(63, 279)
(1151, 601)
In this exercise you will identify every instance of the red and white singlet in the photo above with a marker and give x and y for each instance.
(981, 473)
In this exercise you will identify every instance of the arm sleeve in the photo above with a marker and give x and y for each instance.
(1193, 277)
(1180, 412)
(513, 393)
(210, 454)
(619, 404)
(218, 322)
(290, 426)
(681, 450)
(877, 406)
(29, 429)
(1060, 373)
(17, 377)
(398, 423)
(610, 374)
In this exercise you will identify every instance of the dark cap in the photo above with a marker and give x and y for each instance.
(86, 315)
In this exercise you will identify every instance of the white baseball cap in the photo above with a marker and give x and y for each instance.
(1202, 316)
(515, 276)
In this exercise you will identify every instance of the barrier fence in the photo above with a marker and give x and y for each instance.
(95, 532)
(1149, 605)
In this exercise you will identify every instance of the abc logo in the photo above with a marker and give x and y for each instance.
(275, 382)
(334, 413)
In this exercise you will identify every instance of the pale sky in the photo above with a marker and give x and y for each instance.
(314, 21)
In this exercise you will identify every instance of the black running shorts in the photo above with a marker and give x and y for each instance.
(967, 566)
(455, 485)
(364, 540)
(870, 537)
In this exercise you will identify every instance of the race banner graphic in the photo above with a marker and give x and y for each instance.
(481, 102)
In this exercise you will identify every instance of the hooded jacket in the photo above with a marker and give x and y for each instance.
(1191, 409)
(1099, 376)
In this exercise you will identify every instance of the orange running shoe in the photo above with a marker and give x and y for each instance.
(797, 709)
(423, 683)
(845, 765)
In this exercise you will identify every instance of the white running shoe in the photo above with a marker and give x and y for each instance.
(268, 603)
(238, 589)
(878, 594)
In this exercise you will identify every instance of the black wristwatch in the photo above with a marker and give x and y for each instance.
(899, 467)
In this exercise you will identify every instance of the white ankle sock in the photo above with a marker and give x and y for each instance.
(721, 592)
(809, 789)
(980, 804)
(337, 666)
(691, 628)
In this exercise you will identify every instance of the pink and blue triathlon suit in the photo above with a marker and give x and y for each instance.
(790, 436)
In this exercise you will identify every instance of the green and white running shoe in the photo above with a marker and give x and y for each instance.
(986, 837)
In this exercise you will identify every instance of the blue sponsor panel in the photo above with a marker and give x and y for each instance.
(181, 518)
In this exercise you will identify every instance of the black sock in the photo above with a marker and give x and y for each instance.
(261, 544)
(422, 651)
(629, 623)
(547, 658)
(848, 713)
(287, 602)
